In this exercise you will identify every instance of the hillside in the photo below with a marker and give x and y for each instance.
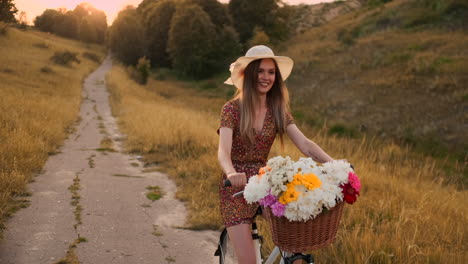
(397, 70)
(309, 16)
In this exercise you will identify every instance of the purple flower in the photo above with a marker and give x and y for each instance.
(268, 200)
(278, 209)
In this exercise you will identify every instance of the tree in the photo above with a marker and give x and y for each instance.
(92, 22)
(86, 31)
(218, 12)
(127, 36)
(246, 17)
(226, 48)
(191, 41)
(46, 22)
(7, 11)
(157, 24)
(98, 21)
(66, 25)
(85, 23)
(145, 5)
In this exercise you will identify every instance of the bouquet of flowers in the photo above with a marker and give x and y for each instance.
(303, 189)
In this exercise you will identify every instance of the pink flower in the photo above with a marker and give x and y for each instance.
(268, 200)
(354, 181)
(278, 209)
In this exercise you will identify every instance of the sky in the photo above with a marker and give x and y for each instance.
(35, 8)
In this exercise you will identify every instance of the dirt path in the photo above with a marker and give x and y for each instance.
(96, 199)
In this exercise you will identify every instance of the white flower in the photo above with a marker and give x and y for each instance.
(256, 189)
(337, 171)
(305, 165)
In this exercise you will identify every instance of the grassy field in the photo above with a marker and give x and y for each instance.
(408, 212)
(398, 70)
(39, 104)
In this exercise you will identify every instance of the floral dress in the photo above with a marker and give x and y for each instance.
(246, 159)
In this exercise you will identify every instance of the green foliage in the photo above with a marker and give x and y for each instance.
(126, 37)
(157, 22)
(146, 5)
(218, 12)
(190, 42)
(47, 20)
(86, 32)
(65, 58)
(66, 25)
(342, 131)
(154, 193)
(265, 14)
(7, 11)
(227, 48)
(436, 13)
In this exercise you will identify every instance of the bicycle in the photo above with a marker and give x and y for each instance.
(226, 254)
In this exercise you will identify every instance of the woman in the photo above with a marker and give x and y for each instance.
(249, 124)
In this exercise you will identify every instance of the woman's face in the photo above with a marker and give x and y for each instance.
(266, 76)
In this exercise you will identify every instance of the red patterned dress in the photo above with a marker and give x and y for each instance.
(244, 159)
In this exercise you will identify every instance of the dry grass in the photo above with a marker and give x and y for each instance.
(37, 108)
(408, 212)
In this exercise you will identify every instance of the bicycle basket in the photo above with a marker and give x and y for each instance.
(297, 236)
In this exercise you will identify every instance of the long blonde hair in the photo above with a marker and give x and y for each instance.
(247, 97)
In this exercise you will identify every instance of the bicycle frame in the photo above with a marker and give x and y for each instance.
(290, 258)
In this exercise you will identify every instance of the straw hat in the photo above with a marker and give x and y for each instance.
(285, 64)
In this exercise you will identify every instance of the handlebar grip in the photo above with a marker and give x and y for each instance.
(227, 183)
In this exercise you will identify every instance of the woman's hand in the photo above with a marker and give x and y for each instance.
(237, 179)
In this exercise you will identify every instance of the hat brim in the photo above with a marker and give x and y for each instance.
(285, 66)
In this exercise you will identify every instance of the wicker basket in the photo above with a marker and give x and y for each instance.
(297, 237)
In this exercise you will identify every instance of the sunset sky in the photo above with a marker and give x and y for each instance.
(34, 8)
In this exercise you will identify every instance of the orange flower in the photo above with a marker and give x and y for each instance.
(263, 171)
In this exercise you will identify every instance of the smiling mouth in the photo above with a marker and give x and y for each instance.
(264, 84)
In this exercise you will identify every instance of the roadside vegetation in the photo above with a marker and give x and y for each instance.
(40, 94)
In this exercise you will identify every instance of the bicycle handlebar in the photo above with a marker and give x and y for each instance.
(227, 183)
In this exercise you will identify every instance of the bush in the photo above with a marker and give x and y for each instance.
(342, 131)
(347, 37)
(47, 69)
(141, 72)
(92, 56)
(65, 58)
(144, 69)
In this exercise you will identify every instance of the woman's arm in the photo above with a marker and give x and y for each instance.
(224, 158)
(307, 146)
